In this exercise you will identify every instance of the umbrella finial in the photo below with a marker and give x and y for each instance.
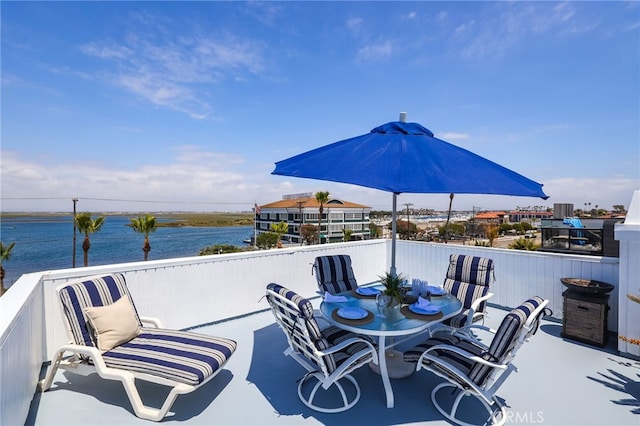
(403, 117)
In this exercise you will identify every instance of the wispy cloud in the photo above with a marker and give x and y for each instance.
(375, 52)
(507, 25)
(194, 174)
(354, 25)
(175, 72)
(450, 136)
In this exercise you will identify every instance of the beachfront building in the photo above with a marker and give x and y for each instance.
(477, 225)
(302, 209)
(532, 216)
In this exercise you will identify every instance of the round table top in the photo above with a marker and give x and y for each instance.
(394, 324)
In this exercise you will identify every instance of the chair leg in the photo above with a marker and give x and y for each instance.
(45, 384)
(143, 411)
(127, 380)
(497, 413)
(308, 401)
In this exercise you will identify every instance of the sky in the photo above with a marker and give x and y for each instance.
(187, 106)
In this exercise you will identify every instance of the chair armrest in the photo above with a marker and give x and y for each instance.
(346, 343)
(152, 321)
(467, 329)
(91, 351)
(459, 351)
(476, 303)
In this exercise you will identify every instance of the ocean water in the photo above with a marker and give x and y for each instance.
(46, 242)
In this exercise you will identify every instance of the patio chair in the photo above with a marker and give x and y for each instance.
(468, 279)
(334, 274)
(329, 355)
(471, 368)
(108, 337)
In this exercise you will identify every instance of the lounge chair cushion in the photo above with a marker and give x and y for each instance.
(113, 324)
(92, 292)
(181, 356)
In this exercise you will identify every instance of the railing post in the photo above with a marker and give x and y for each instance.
(628, 233)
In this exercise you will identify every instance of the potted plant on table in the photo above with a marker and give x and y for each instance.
(392, 293)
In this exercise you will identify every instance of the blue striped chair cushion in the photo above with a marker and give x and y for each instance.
(470, 269)
(322, 339)
(413, 354)
(505, 338)
(185, 357)
(97, 291)
(304, 306)
(459, 320)
(306, 311)
(468, 278)
(335, 335)
(181, 356)
(467, 293)
(335, 274)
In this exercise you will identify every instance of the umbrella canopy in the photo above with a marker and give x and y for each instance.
(402, 157)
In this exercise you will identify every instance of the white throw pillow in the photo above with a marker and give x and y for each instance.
(113, 324)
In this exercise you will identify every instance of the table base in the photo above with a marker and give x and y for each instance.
(396, 365)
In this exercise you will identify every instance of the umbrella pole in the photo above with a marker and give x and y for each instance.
(392, 271)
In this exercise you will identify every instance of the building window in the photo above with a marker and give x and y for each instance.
(335, 228)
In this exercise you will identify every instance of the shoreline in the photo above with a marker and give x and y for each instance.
(165, 219)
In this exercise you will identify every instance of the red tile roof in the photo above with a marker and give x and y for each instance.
(310, 202)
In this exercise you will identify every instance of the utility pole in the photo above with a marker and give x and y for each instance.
(473, 218)
(300, 204)
(446, 228)
(75, 200)
(407, 205)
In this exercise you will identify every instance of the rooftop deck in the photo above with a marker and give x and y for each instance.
(561, 382)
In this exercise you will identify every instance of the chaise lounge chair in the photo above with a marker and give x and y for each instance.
(108, 337)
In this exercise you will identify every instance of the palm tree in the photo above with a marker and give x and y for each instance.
(144, 225)
(87, 226)
(321, 197)
(5, 254)
(280, 229)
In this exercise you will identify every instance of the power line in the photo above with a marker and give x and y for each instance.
(128, 201)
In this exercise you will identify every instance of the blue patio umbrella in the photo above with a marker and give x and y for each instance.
(401, 157)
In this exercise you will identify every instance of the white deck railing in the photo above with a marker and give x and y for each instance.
(192, 291)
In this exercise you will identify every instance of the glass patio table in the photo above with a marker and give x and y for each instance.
(391, 330)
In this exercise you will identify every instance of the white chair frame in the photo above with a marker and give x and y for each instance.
(499, 373)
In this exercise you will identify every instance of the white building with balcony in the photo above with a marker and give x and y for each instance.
(301, 209)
